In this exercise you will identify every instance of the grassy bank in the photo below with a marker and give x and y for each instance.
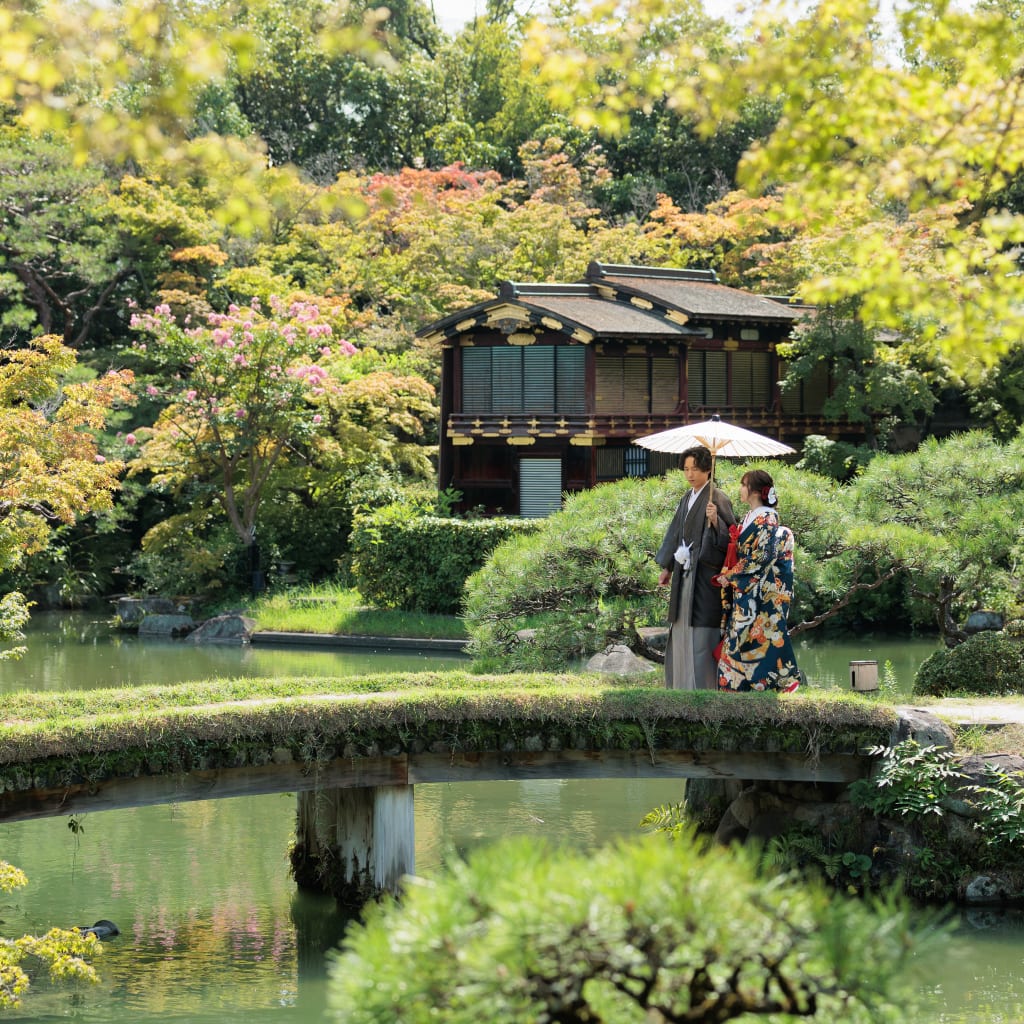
(52, 739)
(328, 608)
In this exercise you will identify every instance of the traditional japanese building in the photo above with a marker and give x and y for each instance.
(545, 387)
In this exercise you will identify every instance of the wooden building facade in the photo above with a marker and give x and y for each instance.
(545, 387)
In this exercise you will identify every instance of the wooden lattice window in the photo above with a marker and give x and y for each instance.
(522, 379)
(707, 378)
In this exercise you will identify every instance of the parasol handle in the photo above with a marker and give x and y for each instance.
(711, 492)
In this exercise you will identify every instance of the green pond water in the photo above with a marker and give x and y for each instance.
(213, 929)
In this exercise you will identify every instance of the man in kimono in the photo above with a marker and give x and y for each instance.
(690, 556)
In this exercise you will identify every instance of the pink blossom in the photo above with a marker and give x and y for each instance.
(240, 414)
(162, 310)
(318, 418)
(347, 348)
(221, 336)
(129, 439)
(190, 396)
(152, 391)
(99, 458)
(241, 360)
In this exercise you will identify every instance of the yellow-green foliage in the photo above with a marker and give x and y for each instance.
(63, 953)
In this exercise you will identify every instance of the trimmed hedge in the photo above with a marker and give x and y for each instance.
(420, 563)
(987, 663)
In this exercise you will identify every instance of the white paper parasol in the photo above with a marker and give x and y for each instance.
(721, 438)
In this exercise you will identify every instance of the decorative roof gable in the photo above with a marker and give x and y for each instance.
(615, 301)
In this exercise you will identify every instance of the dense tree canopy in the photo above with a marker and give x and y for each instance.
(359, 158)
(919, 134)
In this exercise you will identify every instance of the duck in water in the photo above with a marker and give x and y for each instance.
(103, 929)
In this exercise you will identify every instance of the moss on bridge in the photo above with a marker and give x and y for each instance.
(55, 739)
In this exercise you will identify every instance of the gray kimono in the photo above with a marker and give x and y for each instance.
(695, 604)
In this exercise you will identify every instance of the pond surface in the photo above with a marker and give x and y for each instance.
(213, 929)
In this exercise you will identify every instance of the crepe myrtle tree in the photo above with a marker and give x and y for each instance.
(239, 397)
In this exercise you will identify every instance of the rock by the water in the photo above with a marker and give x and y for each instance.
(224, 629)
(927, 729)
(619, 660)
(985, 889)
(654, 637)
(166, 625)
(980, 621)
(132, 610)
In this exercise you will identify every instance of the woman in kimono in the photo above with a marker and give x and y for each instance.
(756, 650)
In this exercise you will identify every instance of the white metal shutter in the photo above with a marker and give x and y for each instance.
(540, 487)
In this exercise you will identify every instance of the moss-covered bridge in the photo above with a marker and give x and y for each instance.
(354, 749)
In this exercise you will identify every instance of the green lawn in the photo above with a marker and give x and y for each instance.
(329, 608)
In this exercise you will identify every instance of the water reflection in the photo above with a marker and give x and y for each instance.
(827, 662)
(78, 651)
(212, 926)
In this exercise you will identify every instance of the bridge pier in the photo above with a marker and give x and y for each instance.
(354, 843)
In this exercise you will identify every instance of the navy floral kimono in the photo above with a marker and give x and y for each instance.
(756, 650)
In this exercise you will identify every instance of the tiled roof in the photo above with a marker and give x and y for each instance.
(604, 317)
(697, 297)
(619, 301)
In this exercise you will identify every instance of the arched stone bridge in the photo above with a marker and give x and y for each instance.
(354, 759)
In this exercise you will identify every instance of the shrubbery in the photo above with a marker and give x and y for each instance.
(632, 932)
(403, 558)
(584, 581)
(588, 578)
(987, 663)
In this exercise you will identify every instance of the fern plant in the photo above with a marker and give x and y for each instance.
(669, 819)
(1001, 807)
(912, 781)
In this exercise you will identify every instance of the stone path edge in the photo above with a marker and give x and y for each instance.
(280, 638)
